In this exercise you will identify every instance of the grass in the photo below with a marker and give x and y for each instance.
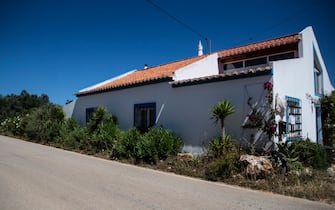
(317, 186)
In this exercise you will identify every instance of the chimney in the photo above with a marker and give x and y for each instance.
(145, 66)
(200, 52)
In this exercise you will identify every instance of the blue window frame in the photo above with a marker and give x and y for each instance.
(144, 116)
(293, 119)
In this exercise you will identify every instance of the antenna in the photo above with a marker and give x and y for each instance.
(208, 41)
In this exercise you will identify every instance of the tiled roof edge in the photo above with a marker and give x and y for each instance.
(244, 73)
(127, 85)
(220, 52)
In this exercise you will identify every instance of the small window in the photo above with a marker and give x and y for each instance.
(318, 82)
(282, 56)
(235, 65)
(293, 116)
(256, 62)
(89, 113)
(144, 116)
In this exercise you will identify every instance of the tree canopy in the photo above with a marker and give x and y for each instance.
(15, 105)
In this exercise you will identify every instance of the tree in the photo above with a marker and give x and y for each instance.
(328, 119)
(220, 111)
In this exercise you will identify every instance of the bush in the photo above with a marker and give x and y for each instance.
(226, 156)
(104, 136)
(156, 144)
(101, 131)
(12, 126)
(126, 147)
(218, 147)
(71, 135)
(43, 124)
(287, 157)
(221, 168)
(163, 142)
(311, 154)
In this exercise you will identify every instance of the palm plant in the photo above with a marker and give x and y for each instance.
(220, 111)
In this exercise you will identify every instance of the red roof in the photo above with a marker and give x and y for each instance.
(166, 71)
(275, 42)
(140, 76)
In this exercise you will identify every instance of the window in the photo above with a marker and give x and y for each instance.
(282, 56)
(144, 116)
(235, 65)
(256, 62)
(259, 61)
(293, 119)
(89, 113)
(318, 83)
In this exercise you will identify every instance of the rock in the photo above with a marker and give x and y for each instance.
(331, 170)
(255, 166)
(184, 157)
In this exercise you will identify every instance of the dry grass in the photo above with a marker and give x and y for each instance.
(318, 186)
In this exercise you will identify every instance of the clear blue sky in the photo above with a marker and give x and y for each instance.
(59, 47)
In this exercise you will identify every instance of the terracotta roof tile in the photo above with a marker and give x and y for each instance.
(227, 75)
(140, 76)
(166, 71)
(275, 42)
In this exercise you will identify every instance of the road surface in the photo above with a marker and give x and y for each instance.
(34, 176)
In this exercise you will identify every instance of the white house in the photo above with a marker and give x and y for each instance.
(286, 74)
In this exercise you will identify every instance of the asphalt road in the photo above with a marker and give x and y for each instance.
(33, 176)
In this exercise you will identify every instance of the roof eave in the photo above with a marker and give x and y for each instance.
(126, 85)
(241, 74)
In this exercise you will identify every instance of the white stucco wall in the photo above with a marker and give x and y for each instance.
(186, 109)
(295, 78)
(205, 67)
(309, 37)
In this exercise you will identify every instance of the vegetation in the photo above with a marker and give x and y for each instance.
(40, 121)
(220, 111)
(311, 154)
(157, 144)
(328, 119)
(12, 106)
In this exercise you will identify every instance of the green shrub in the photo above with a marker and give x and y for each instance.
(287, 157)
(12, 126)
(226, 156)
(164, 141)
(105, 134)
(98, 116)
(101, 132)
(156, 144)
(147, 150)
(218, 147)
(126, 146)
(221, 168)
(71, 135)
(311, 154)
(43, 124)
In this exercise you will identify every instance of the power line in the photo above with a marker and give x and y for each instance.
(279, 23)
(181, 23)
